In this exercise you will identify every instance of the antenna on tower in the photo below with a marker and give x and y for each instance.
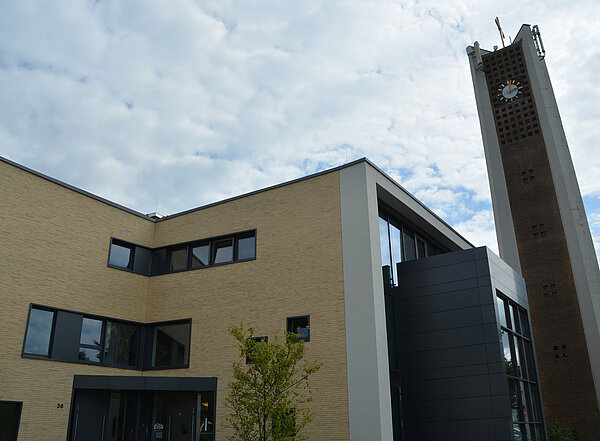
(537, 39)
(500, 30)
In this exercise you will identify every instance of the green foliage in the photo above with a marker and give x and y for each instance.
(561, 432)
(269, 396)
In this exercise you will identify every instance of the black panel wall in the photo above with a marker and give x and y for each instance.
(452, 372)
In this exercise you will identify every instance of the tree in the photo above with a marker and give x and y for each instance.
(561, 432)
(270, 391)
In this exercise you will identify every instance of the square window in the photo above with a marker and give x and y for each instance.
(255, 341)
(120, 254)
(223, 250)
(299, 325)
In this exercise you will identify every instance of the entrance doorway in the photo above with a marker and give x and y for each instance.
(143, 415)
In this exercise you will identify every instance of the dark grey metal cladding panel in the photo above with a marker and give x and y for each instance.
(141, 260)
(443, 358)
(472, 430)
(126, 383)
(443, 301)
(442, 389)
(67, 333)
(91, 382)
(449, 410)
(503, 428)
(162, 383)
(440, 260)
(441, 288)
(144, 383)
(446, 338)
(199, 383)
(433, 276)
(440, 320)
(445, 373)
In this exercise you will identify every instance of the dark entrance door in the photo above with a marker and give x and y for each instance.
(143, 415)
(91, 415)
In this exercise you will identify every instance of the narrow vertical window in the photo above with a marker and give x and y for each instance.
(201, 254)
(39, 332)
(178, 258)
(90, 343)
(246, 246)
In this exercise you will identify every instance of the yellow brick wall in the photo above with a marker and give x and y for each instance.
(297, 271)
(55, 245)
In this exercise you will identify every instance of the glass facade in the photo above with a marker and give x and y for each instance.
(400, 243)
(520, 366)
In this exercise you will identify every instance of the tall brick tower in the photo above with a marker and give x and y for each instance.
(541, 224)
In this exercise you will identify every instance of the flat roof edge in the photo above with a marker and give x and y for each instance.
(417, 201)
(75, 189)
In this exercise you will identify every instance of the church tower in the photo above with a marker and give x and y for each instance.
(541, 224)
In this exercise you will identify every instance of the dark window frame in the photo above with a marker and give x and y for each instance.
(53, 326)
(264, 338)
(526, 376)
(17, 421)
(211, 244)
(124, 244)
(142, 357)
(148, 359)
(289, 328)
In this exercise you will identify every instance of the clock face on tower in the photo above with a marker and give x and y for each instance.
(509, 91)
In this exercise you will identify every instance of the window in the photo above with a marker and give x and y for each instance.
(121, 344)
(39, 332)
(181, 257)
(90, 343)
(284, 427)
(223, 251)
(79, 338)
(171, 345)
(299, 325)
(246, 246)
(121, 254)
(254, 341)
(520, 369)
(178, 258)
(201, 254)
(10, 416)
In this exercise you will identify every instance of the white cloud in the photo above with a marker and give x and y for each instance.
(143, 101)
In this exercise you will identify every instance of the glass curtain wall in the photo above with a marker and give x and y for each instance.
(521, 371)
(400, 243)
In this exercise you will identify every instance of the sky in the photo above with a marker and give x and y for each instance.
(169, 105)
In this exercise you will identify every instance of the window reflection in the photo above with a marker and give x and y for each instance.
(178, 258)
(121, 344)
(120, 254)
(39, 331)
(171, 345)
(201, 254)
(246, 246)
(223, 251)
(520, 370)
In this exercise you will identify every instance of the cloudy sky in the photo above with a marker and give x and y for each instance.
(168, 105)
